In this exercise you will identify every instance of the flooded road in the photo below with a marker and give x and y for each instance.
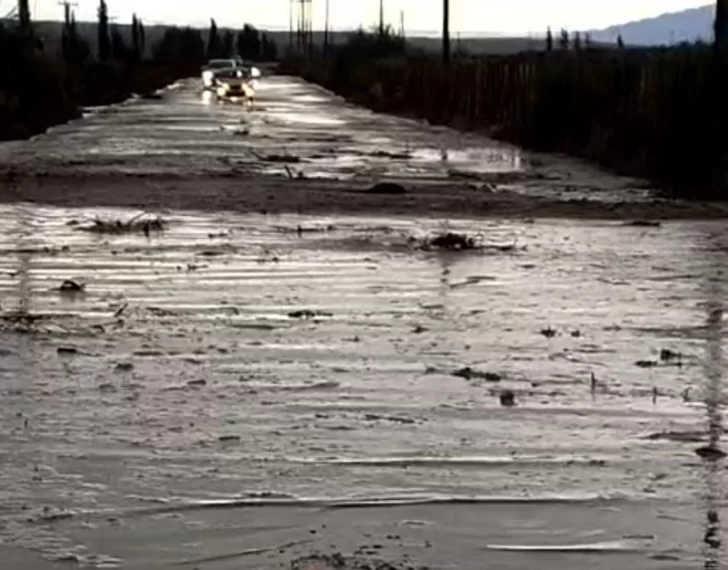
(246, 390)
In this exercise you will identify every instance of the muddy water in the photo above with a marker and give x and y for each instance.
(235, 392)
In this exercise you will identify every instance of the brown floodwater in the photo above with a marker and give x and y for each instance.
(245, 390)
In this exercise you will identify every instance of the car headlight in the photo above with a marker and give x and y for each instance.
(207, 76)
(255, 72)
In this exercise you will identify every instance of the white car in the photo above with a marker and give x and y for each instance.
(214, 66)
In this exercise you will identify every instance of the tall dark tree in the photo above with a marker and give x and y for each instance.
(577, 40)
(213, 41)
(75, 49)
(720, 28)
(136, 48)
(118, 45)
(227, 45)
(104, 40)
(549, 40)
(620, 42)
(268, 48)
(142, 40)
(564, 40)
(24, 15)
(249, 43)
(180, 44)
(66, 32)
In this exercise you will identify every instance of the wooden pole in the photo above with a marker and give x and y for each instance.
(326, 30)
(445, 32)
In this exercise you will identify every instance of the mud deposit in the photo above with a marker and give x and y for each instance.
(222, 390)
(240, 391)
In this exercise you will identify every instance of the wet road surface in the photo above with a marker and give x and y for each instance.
(244, 390)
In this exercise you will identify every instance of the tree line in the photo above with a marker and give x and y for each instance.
(177, 43)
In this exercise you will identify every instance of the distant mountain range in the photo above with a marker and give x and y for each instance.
(686, 26)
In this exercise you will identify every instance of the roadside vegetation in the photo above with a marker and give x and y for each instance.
(43, 83)
(658, 113)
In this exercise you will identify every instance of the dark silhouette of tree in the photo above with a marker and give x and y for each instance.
(620, 42)
(75, 50)
(180, 44)
(227, 45)
(577, 40)
(213, 41)
(118, 45)
(142, 40)
(249, 43)
(549, 40)
(720, 26)
(588, 40)
(136, 48)
(24, 15)
(104, 40)
(564, 40)
(268, 48)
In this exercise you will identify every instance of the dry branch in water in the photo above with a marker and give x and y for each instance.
(138, 224)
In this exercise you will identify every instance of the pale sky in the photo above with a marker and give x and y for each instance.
(498, 16)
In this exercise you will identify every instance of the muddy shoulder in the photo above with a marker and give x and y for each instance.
(247, 194)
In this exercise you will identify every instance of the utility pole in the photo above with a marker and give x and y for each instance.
(327, 39)
(290, 25)
(401, 24)
(446, 32)
(381, 18)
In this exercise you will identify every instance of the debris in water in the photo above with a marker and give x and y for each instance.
(71, 286)
(124, 367)
(391, 188)
(308, 314)
(667, 355)
(469, 374)
(655, 394)
(393, 419)
(392, 155)
(548, 332)
(67, 350)
(576, 334)
(197, 383)
(229, 438)
(686, 394)
(593, 383)
(137, 224)
(710, 452)
(644, 224)
(507, 398)
(450, 241)
(286, 158)
(646, 363)
(120, 310)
